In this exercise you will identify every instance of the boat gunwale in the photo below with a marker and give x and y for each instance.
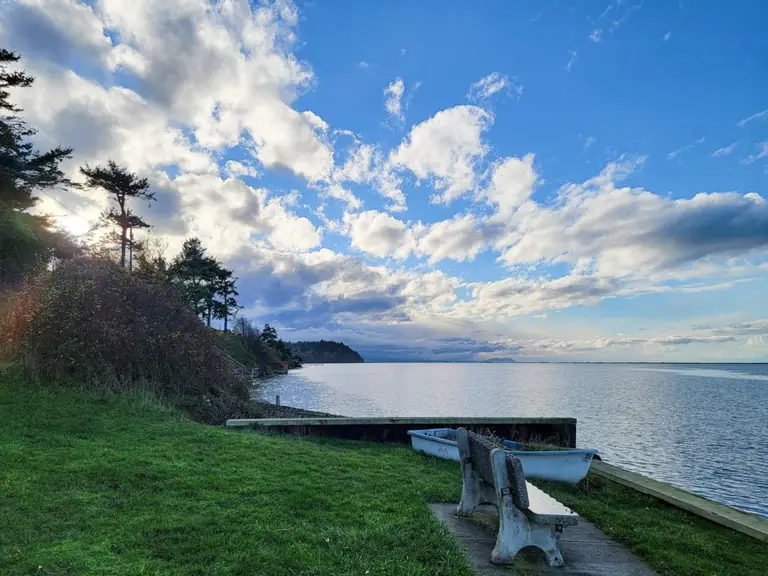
(571, 451)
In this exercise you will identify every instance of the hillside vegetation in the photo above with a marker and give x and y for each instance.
(325, 351)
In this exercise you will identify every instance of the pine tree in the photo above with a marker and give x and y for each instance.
(121, 185)
(227, 306)
(193, 269)
(27, 241)
(22, 168)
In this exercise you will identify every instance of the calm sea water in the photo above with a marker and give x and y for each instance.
(703, 428)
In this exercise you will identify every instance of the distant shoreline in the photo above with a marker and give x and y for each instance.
(560, 362)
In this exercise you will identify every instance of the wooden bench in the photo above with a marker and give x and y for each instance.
(527, 516)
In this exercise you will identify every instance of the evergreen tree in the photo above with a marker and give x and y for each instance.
(22, 168)
(121, 185)
(227, 306)
(193, 269)
(269, 335)
(27, 241)
(150, 259)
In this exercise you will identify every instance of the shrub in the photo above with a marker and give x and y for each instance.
(95, 324)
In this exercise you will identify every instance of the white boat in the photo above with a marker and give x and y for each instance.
(558, 465)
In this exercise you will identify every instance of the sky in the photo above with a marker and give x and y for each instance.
(537, 180)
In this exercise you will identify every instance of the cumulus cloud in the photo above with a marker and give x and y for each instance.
(56, 30)
(379, 234)
(366, 164)
(446, 149)
(460, 238)
(511, 184)
(393, 96)
(623, 231)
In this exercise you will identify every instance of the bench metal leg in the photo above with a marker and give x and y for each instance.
(515, 530)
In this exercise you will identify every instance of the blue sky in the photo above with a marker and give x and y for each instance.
(537, 180)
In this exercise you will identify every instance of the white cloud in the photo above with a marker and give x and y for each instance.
(379, 234)
(103, 123)
(365, 164)
(675, 153)
(629, 232)
(489, 85)
(226, 214)
(460, 238)
(446, 149)
(667, 36)
(596, 35)
(234, 168)
(393, 95)
(341, 193)
(762, 153)
(725, 150)
(288, 231)
(363, 64)
(224, 70)
(69, 28)
(511, 184)
(757, 116)
(572, 57)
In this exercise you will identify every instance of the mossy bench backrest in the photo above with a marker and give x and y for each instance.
(480, 448)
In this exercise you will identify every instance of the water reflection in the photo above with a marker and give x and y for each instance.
(703, 429)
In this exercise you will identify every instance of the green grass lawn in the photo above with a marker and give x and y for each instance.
(670, 540)
(113, 487)
(116, 486)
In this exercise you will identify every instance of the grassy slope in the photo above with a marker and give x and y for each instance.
(108, 486)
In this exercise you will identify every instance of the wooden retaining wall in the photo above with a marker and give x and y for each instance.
(560, 431)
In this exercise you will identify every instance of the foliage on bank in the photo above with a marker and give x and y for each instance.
(260, 349)
(325, 351)
(90, 323)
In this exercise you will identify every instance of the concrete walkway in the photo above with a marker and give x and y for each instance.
(586, 550)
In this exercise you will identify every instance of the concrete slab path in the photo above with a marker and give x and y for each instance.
(586, 550)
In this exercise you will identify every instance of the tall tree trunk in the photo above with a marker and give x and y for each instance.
(226, 308)
(130, 252)
(123, 242)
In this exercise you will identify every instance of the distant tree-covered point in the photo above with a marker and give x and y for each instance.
(325, 351)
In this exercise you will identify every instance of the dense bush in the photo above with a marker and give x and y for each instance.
(89, 321)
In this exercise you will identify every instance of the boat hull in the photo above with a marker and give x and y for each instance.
(558, 465)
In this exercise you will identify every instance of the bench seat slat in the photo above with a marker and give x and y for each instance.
(543, 509)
